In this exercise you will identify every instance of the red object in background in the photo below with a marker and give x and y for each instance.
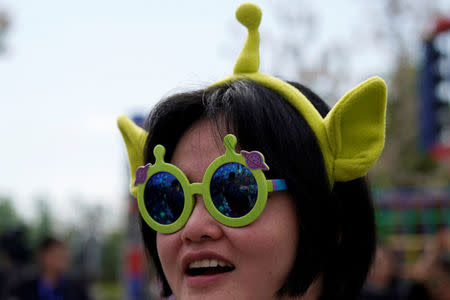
(441, 24)
(135, 260)
(439, 152)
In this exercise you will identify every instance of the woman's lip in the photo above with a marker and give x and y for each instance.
(202, 281)
(200, 255)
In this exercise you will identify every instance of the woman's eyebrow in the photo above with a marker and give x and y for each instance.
(189, 171)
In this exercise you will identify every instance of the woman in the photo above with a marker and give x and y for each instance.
(252, 189)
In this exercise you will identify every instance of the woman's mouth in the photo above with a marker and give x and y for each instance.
(205, 267)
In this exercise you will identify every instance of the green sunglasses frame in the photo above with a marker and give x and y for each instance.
(202, 188)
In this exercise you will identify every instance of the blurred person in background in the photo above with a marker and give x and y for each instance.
(386, 282)
(15, 256)
(433, 268)
(52, 281)
(380, 282)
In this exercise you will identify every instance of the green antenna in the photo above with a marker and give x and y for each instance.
(249, 15)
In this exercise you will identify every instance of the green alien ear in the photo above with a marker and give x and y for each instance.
(356, 129)
(134, 138)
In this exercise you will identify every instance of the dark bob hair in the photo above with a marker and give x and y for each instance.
(336, 227)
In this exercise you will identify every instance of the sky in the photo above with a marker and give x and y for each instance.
(72, 67)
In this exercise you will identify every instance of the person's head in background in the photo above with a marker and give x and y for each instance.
(384, 268)
(438, 277)
(315, 239)
(53, 258)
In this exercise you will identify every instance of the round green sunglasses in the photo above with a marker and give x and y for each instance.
(234, 189)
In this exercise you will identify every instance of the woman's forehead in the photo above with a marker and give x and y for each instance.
(200, 145)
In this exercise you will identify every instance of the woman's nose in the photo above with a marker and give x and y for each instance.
(201, 226)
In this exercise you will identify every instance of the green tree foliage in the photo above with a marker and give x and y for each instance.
(8, 215)
(44, 222)
(4, 25)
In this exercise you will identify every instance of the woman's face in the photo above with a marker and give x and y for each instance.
(261, 254)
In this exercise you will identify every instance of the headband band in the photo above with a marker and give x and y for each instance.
(351, 136)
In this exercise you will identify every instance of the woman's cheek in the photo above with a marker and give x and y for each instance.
(267, 248)
(168, 246)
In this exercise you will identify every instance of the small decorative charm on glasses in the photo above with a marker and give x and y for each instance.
(234, 189)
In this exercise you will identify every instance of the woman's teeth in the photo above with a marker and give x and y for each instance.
(208, 267)
(208, 263)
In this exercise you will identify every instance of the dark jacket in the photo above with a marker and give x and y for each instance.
(398, 290)
(28, 289)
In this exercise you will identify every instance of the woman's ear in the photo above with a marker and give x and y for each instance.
(356, 129)
(135, 138)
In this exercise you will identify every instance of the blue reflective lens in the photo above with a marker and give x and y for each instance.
(234, 190)
(164, 198)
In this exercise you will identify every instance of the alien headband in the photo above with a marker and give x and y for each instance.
(351, 136)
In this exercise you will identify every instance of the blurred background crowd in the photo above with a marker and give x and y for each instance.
(67, 222)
